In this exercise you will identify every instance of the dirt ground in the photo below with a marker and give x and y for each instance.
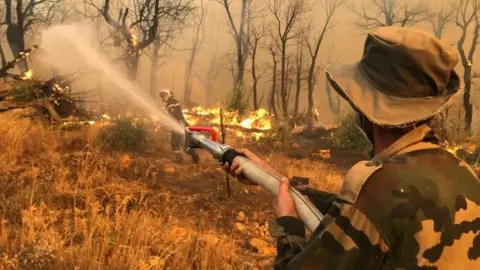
(67, 205)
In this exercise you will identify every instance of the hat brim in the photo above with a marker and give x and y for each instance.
(382, 109)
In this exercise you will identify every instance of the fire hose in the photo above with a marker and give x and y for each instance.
(196, 138)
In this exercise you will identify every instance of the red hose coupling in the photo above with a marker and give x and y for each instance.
(210, 130)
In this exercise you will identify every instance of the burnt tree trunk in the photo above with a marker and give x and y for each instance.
(132, 64)
(283, 81)
(153, 68)
(196, 43)
(2, 56)
(311, 86)
(467, 77)
(187, 95)
(468, 59)
(16, 42)
(254, 89)
(299, 70)
(273, 109)
(254, 76)
(16, 31)
(334, 105)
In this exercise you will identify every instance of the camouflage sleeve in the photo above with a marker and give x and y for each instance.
(346, 239)
(290, 234)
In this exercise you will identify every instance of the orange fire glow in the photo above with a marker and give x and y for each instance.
(27, 75)
(253, 125)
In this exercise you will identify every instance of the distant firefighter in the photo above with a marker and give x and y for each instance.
(177, 140)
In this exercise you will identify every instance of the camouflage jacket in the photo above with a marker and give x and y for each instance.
(413, 206)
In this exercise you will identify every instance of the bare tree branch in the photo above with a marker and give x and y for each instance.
(256, 35)
(287, 15)
(153, 19)
(199, 34)
(380, 13)
(240, 37)
(468, 15)
(330, 8)
(441, 19)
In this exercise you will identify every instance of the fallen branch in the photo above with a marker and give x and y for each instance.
(4, 70)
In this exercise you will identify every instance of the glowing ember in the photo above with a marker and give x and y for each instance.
(133, 37)
(455, 148)
(27, 75)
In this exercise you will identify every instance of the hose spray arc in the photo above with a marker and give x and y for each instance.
(196, 138)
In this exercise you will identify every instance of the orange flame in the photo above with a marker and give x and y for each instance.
(254, 125)
(27, 75)
(250, 126)
(454, 148)
(133, 37)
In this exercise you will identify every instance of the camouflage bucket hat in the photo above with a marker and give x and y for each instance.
(405, 76)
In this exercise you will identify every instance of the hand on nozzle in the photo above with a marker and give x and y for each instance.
(236, 170)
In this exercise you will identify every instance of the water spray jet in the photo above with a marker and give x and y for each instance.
(66, 41)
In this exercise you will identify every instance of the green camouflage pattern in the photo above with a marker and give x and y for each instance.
(420, 210)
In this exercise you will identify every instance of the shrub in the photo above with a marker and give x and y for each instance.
(26, 94)
(450, 126)
(238, 99)
(123, 134)
(347, 135)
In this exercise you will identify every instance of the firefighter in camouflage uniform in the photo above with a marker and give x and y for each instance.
(177, 141)
(414, 205)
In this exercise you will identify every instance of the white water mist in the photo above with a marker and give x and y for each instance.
(68, 48)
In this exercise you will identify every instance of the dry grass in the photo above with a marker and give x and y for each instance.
(66, 205)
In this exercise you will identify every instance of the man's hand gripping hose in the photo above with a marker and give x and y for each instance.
(307, 212)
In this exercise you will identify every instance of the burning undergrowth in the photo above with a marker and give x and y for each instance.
(253, 126)
(52, 97)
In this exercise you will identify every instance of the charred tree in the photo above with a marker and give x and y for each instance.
(197, 41)
(286, 17)
(21, 17)
(290, 76)
(378, 13)
(256, 36)
(468, 15)
(439, 22)
(299, 71)
(441, 19)
(154, 64)
(272, 104)
(240, 36)
(2, 56)
(213, 70)
(145, 19)
(330, 8)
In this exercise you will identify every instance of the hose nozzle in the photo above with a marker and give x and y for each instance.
(196, 139)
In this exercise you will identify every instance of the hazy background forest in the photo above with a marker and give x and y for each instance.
(196, 49)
